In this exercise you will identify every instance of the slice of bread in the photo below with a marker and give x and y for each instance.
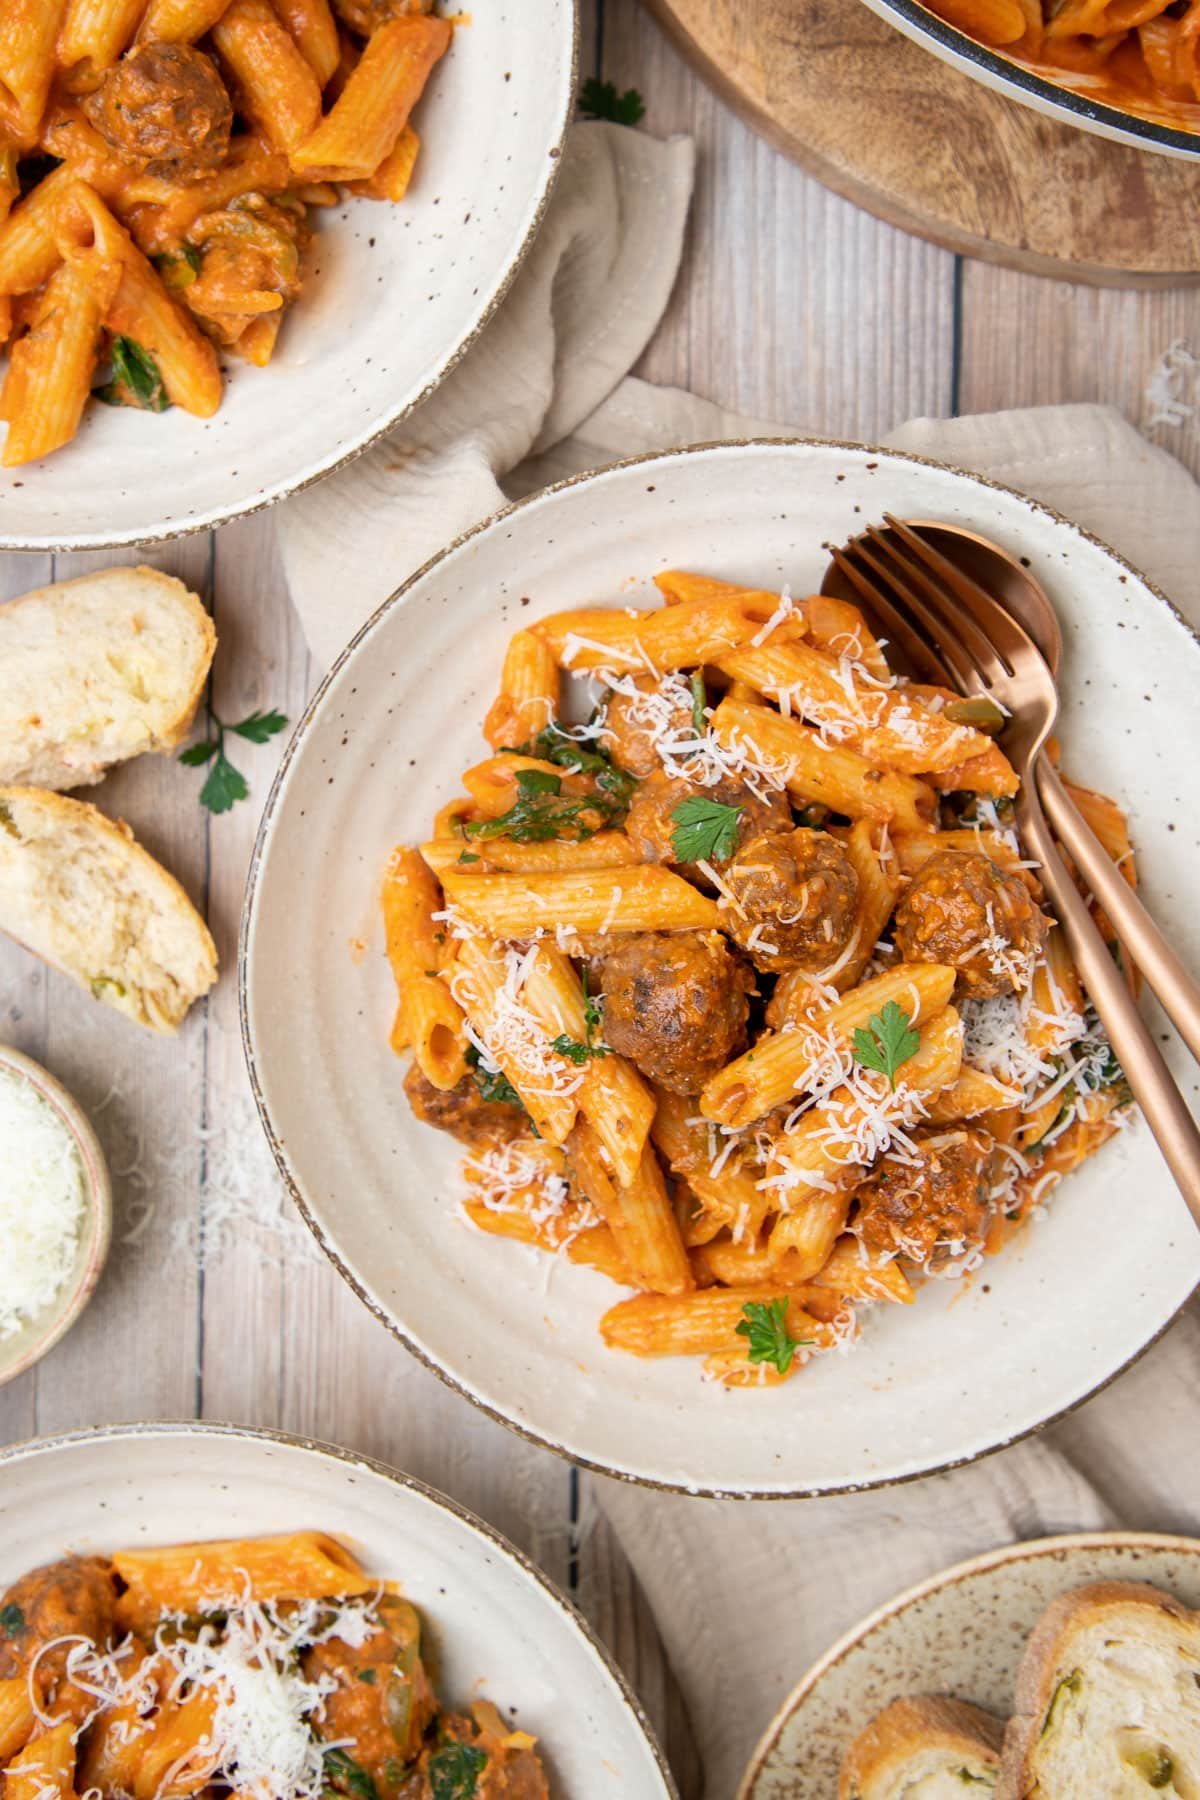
(79, 892)
(1107, 1700)
(98, 670)
(926, 1747)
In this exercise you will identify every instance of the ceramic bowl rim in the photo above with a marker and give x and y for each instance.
(30, 1448)
(166, 532)
(397, 598)
(65, 1309)
(1024, 1550)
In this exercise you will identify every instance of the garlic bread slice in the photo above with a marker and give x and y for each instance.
(97, 670)
(924, 1747)
(77, 890)
(1107, 1700)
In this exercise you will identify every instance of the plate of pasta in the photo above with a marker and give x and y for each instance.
(239, 239)
(349, 1633)
(729, 1102)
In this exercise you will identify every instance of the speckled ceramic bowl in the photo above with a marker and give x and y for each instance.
(393, 295)
(961, 1633)
(23, 1348)
(503, 1632)
(383, 745)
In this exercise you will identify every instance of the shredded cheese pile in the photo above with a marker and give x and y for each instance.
(260, 1740)
(42, 1203)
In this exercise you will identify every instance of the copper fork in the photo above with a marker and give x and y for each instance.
(952, 632)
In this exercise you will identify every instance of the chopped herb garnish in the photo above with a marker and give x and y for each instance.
(12, 1619)
(888, 1041)
(705, 830)
(601, 100)
(224, 785)
(454, 1772)
(136, 380)
(368, 1675)
(699, 701)
(542, 812)
(468, 856)
(764, 1324)
(591, 1011)
(558, 746)
(352, 1777)
(493, 1084)
(576, 1052)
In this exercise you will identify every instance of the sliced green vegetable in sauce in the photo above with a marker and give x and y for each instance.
(979, 711)
(136, 380)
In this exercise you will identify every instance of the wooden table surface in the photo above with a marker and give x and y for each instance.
(790, 305)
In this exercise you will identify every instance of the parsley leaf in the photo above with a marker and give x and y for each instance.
(600, 100)
(260, 727)
(699, 701)
(454, 1771)
(12, 1619)
(764, 1324)
(704, 830)
(225, 785)
(493, 1084)
(888, 1041)
(368, 1675)
(136, 380)
(353, 1778)
(591, 1012)
(576, 1052)
(558, 746)
(541, 812)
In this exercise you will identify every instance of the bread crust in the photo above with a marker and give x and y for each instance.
(908, 1726)
(192, 971)
(85, 760)
(1044, 1660)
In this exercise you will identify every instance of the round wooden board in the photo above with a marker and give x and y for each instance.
(890, 126)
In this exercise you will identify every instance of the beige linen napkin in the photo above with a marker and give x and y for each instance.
(747, 1595)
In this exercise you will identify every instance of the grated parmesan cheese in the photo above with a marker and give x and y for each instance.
(42, 1202)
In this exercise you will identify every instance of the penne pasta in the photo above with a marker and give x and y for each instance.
(529, 692)
(45, 1768)
(488, 984)
(51, 365)
(277, 88)
(677, 637)
(602, 900)
(94, 32)
(179, 21)
(818, 772)
(373, 108)
(429, 1018)
(314, 28)
(638, 1213)
(300, 1565)
(28, 34)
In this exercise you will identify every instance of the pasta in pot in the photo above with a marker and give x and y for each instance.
(195, 137)
(809, 1042)
(1139, 56)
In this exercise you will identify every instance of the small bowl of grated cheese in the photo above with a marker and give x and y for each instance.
(55, 1212)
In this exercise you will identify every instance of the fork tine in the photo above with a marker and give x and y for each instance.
(962, 672)
(1007, 635)
(918, 652)
(956, 628)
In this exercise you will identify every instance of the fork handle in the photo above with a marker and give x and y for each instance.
(1178, 992)
(1149, 1078)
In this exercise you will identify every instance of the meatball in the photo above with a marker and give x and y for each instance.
(165, 109)
(63, 1601)
(962, 910)
(630, 728)
(652, 827)
(790, 900)
(382, 1702)
(462, 1111)
(675, 1003)
(933, 1211)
